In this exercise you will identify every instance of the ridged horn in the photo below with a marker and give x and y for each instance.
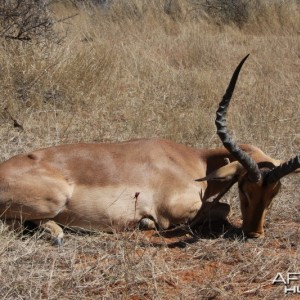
(245, 160)
(284, 169)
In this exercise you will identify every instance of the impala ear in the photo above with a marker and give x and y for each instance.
(296, 171)
(225, 173)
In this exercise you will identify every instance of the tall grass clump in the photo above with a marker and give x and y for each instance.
(148, 68)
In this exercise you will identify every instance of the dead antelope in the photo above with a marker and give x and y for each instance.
(115, 186)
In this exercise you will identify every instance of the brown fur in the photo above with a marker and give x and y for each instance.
(112, 186)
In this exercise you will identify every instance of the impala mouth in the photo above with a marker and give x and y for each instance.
(255, 235)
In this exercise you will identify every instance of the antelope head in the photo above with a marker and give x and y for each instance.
(258, 183)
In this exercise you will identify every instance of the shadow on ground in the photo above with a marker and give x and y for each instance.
(207, 230)
(177, 237)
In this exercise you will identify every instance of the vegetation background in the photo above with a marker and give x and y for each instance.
(99, 71)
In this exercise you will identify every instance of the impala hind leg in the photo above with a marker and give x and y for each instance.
(40, 215)
(55, 231)
(37, 198)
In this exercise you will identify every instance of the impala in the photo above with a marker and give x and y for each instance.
(153, 181)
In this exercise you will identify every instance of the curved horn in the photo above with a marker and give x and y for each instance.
(284, 169)
(245, 160)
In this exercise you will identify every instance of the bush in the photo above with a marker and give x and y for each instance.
(27, 20)
(228, 11)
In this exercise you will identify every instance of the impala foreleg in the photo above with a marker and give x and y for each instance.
(211, 212)
(147, 223)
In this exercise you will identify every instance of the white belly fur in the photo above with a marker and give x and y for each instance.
(119, 207)
(105, 207)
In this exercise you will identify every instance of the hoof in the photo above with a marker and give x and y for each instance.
(59, 241)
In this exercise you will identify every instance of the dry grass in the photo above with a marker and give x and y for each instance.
(134, 71)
